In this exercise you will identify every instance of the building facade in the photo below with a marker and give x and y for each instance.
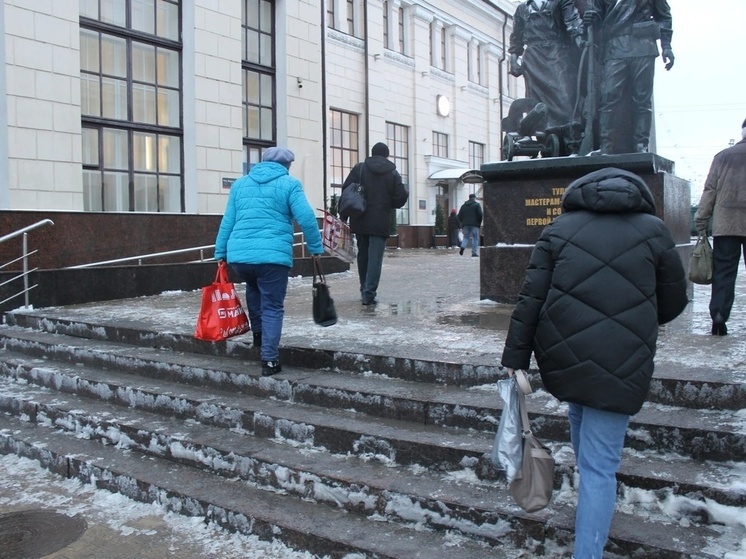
(158, 105)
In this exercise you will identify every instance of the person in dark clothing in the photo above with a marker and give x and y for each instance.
(724, 200)
(630, 29)
(544, 49)
(384, 191)
(470, 216)
(601, 278)
(454, 226)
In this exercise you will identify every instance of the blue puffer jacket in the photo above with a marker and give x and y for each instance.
(257, 227)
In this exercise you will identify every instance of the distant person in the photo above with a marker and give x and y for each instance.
(602, 276)
(724, 200)
(256, 238)
(454, 226)
(630, 29)
(384, 191)
(470, 216)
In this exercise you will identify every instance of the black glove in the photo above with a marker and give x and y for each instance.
(668, 58)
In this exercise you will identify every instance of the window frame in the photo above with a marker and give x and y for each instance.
(397, 139)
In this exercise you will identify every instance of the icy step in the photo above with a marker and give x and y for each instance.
(234, 504)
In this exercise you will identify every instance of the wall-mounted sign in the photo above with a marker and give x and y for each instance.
(423, 204)
(227, 183)
(444, 105)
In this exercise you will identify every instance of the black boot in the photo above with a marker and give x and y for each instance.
(270, 368)
(257, 339)
(718, 325)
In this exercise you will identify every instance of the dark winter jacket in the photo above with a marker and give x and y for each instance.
(384, 191)
(470, 214)
(600, 280)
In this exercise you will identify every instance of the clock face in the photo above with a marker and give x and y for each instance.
(444, 105)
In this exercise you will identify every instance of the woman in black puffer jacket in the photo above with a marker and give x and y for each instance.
(601, 278)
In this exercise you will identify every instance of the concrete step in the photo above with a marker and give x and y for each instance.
(699, 433)
(428, 500)
(235, 505)
(351, 432)
(692, 387)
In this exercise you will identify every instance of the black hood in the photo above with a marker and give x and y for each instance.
(609, 190)
(379, 165)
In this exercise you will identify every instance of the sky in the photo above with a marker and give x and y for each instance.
(700, 103)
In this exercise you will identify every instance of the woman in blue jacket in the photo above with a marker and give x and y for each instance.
(256, 239)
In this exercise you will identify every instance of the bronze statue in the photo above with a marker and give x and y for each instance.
(544, 48)
(628, 30)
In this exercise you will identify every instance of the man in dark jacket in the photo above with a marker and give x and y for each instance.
(630, 29)
(601, 278)
(724, 199)
(384, 191)
(470, 216)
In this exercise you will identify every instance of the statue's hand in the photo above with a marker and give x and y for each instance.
(515, 68)
(668, 58)
(580, 42)
(590, 17)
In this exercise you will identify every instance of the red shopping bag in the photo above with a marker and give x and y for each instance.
(221, 315)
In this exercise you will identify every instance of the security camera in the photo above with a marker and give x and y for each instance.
(300, 83)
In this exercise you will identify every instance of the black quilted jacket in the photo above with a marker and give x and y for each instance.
(601, 278)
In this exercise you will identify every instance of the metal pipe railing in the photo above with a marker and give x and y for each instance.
(24, 257)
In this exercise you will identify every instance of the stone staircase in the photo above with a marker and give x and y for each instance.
(352, 455)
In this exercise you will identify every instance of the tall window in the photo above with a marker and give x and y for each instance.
(397, 138)
(443, 44)
(440, 144)
(330, 13)
(476, 155)
(350, 17)
(259, 89)
(343, 147)
(386, 38)
(401, 30)
(130, 94)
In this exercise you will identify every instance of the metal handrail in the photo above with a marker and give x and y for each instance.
(24, 257)
(142, 257)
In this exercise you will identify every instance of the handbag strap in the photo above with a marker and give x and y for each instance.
(317, 271)
(222, 274)
(523, 387)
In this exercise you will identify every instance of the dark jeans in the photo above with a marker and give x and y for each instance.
(726, 256)
(370, 249)
(266, 286)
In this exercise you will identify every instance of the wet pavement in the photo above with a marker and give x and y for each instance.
(429, 308)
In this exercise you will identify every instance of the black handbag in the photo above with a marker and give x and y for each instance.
(324, 313)
(352, 201)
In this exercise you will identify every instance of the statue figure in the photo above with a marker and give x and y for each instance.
(629, 30)
(542, 50)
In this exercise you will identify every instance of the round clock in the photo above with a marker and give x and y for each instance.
(444, 105)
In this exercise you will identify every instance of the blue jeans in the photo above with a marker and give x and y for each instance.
(266, 286)
(470, 232)
(597, 439)
(726, 256)
(370, 249)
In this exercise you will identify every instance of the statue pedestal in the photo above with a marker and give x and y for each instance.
(522, 197)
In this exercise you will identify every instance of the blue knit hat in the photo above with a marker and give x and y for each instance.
(279, 155)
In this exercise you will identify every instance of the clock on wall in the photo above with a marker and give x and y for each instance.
(444, 105)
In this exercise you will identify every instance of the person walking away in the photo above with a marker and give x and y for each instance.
(470, 216)
(256, 238)
(454, 226)
(589, 310)
(384, 191)
(724, 200)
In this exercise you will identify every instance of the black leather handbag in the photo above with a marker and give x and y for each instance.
(324, 313)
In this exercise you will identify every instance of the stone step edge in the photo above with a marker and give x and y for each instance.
(635, 472)
(235, 506)
(548, 423)
(448, 411)
(625, 537)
